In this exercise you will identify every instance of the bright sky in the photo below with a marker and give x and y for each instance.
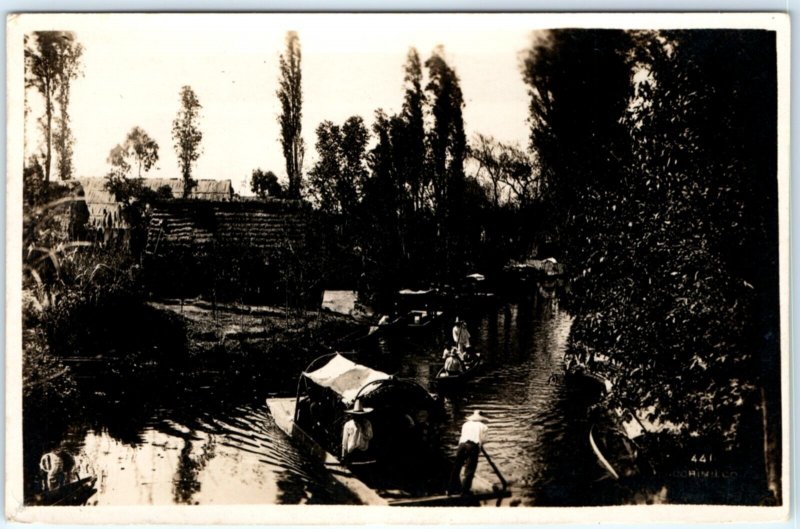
(134, 68)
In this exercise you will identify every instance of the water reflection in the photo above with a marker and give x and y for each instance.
(207, 438)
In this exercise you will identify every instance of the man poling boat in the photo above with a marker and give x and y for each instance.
(473, 435)
(461, 335)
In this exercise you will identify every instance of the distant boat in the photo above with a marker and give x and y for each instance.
(413, 320)
(445, 381)
(474, 292)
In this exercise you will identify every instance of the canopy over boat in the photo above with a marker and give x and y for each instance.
(346, 378)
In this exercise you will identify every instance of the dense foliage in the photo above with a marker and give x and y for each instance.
(265, 184)
(658, 165)
(407, 213)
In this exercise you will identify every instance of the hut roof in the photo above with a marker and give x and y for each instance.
(205, 189)
(200, 226)
(105, 211)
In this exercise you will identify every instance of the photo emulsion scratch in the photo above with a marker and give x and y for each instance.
(449, 261)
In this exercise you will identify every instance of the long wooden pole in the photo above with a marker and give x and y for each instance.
(503, 481)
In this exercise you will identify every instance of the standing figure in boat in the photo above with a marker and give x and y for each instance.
(461, 336)
(473, 435)
(357, 431)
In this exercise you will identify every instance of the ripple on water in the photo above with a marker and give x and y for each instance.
(207, 451)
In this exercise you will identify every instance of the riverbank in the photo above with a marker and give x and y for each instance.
(192, 358)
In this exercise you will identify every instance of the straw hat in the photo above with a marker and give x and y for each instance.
(476, 416)
(358, 409)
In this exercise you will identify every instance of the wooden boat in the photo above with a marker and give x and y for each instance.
(616, 453)
(413, 321)
(74, 493)
(444, 380)
(430, 299)
(473, 293)
(401, 466)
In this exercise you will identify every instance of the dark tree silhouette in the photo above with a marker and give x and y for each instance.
(508, 169)
(265, 184)
(290, 95)
(658, 165)
(336, 180)
(447, 151)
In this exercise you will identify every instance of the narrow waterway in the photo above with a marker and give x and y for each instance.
(203, 439)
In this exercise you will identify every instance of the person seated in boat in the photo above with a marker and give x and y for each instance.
(453, 364)
(461, 336)
(357, 431)
(469, 357)
(59, 467)
(473, 435)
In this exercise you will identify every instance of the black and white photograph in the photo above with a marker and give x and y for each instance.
(475, 263)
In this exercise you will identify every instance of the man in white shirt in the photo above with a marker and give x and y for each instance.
(473, 435)
(461, 337)
(357, 432)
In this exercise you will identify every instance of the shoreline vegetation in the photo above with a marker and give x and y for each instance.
(650, 177)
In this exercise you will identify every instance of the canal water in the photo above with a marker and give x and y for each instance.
(208, 438)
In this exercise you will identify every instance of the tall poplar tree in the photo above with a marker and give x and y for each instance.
(448, 148)
(410, 137)
(290, 94)
(52, 60)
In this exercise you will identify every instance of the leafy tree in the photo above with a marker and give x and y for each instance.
(658, 164)
(265, 184)
(138, 148)
(290, 95)
(336, 180)
(187, 136)
(34, 191)
(52, 60)
(580, 86)
(704, 154)
(354, 172)
(119, 160)
(143, 148)
(409, 133)
(447, 151)
(381, 234)
(323, 176)
(508, 168)
(71, 53)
